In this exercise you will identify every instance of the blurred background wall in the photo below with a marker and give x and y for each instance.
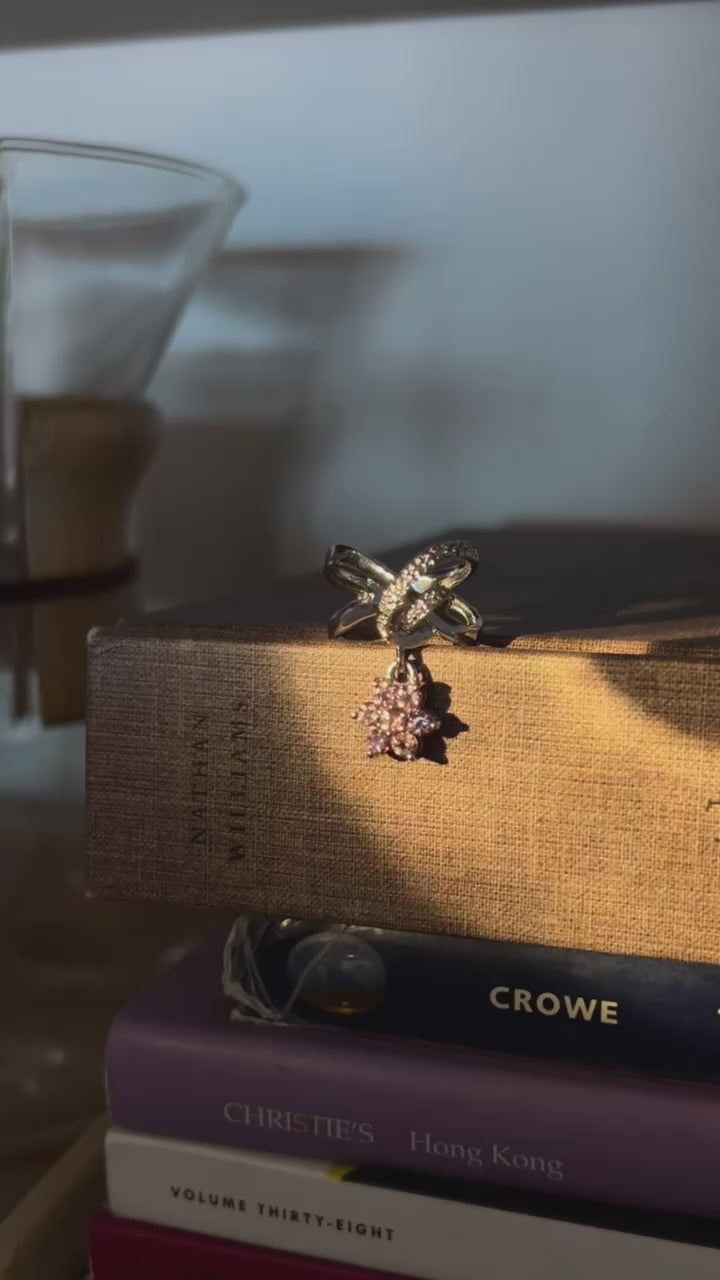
(477, 279)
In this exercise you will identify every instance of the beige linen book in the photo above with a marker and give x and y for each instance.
(572, 800)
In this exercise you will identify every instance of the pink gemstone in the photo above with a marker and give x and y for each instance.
(377, 743)
(425, 723)
(366, 714)
(404, 746)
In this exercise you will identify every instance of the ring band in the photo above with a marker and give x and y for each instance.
(351, 569)
(425, 585)
(414, 605)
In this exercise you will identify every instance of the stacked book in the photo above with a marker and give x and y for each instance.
(349, 1118)
(513, 1068)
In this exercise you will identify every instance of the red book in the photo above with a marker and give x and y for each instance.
(120, 1249)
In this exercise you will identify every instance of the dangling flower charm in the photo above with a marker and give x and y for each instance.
(396, 716)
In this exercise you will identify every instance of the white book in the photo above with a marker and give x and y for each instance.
(343, 1213)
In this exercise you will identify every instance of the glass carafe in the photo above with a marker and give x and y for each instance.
(100, 250)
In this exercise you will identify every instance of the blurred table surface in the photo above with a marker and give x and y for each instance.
(47, 1202)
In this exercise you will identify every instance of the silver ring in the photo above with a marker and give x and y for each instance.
(412, 606)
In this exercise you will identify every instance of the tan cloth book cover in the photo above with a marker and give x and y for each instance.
(571, 799)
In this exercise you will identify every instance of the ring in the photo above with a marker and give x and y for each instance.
(412, 606)
(425, 585)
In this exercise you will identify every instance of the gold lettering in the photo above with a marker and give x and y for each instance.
(495, 997)
(522, 1001)
(609, 1012)
(542, 1001)
(580, 1006)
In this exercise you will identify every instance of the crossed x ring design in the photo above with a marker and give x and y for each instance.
(410, 607)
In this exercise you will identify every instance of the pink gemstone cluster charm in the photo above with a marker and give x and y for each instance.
(396, 716)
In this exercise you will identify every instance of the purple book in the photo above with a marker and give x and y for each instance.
(178, 1067)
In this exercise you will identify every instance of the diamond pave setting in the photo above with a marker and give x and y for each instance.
(422, 587)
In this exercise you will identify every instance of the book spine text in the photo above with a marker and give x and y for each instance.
(293, 1207)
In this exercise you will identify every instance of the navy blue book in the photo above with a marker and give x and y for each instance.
(656, 1016)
